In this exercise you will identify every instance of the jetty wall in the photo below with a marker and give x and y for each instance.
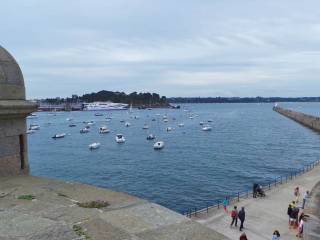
(302, 118)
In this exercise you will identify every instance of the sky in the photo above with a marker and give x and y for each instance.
(175, 48)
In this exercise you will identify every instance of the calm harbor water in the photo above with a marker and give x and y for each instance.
(248, 143)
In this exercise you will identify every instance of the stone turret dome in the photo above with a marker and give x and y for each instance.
(11, 78)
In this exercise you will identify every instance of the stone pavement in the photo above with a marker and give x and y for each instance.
(263, 215)
(54, 214)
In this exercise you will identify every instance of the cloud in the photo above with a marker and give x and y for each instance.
(236, 47)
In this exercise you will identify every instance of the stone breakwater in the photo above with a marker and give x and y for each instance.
(302, 118)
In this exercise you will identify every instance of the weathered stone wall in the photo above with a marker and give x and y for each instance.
(302, 118)
(12, 134)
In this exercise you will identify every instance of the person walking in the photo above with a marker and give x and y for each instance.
(242, 217)
(276, 235)
(305, 197)
(234, 216)
(225, 204)
(243, 236)
(289, 212)
(297, 194)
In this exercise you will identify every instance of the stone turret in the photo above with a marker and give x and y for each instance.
(13, 112)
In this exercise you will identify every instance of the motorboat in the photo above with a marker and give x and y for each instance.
(98, 114)
(201, 123)
(72, 125)
(30, 131)
(103, 130)
(122, 121)
(153, 120)
(120, 138)
(191, 117)
(90, 123)
(145, 126)
(34, 127)
(181, 124)
(84, 130)
(69, 119)
(127, 124)
(165, 120)
(207, 128)
(209, 121)
(169, 129)
(93, 146)
(32, 115)
(151, 137)
(60, 135)
(158, 145)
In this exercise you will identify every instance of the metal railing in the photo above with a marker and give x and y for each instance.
(197, 212)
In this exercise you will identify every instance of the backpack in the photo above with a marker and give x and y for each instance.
(233, 213)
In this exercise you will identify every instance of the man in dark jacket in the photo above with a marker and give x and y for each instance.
(242, 217)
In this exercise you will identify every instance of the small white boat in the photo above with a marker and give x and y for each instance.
(94, 146)
(90, 123)
(60, 135)
(158, 145)
(120, 138)
(31, 131)
(145, 126)
(72, 125)
(165, 120)
(207, 128)
(151, 137)
(201, 123)
(127, 124)
(98, 114)
(191, 117)
(69, 119)
(84, 130)
(181, 124)
(136, 117)
(169, 129)
(31, 116)
(34, 127)
(103, 130)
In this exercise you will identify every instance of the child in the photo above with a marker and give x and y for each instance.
(234, 216)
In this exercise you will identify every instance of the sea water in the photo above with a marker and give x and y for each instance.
(248, 143)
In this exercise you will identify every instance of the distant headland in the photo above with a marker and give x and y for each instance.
(241, 99)
(75, 102)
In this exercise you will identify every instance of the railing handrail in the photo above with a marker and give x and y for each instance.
(246, 194)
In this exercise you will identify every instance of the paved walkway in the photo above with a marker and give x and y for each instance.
(263, 216)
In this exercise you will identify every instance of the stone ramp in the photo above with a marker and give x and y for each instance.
(55, 215)
(265, 215)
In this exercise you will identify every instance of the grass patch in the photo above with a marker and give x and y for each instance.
(94, 204)
(62, 195)
(27, 197)
(80, 232)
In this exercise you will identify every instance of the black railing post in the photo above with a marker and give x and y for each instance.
(195, 211)
(281, 179)
(238, 197)
(218, 204)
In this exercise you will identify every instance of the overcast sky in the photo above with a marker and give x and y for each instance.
(175, 48)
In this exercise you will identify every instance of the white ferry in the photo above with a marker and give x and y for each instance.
(104, 106)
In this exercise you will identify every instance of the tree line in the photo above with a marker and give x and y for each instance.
(134, 98)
